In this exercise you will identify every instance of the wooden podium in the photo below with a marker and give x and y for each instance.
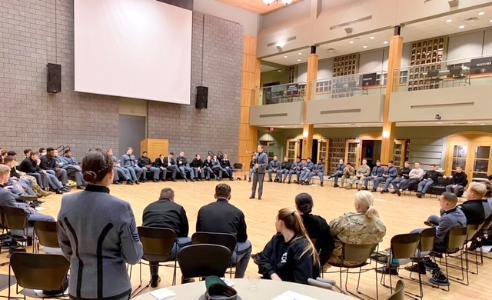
(154, 147)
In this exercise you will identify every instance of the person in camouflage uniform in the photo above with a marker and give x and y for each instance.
(360, 228)
(348, 172)
(362, 172)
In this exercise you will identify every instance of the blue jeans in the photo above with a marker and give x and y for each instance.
(240, 258)
(424, 185)
(184, 169)
(319, 174)
(388, 182)
(305, 175)
(156, 172)
(336, 176)
(297, 172)
(181, 242)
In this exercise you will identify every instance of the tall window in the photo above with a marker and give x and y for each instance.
(481, 163)
(459, 157)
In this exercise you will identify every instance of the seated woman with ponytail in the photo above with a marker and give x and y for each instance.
(290, 255)
(97, 234)
(360, 228)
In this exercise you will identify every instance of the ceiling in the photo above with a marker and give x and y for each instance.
(445, 25)
(399, 124)
(256, 6)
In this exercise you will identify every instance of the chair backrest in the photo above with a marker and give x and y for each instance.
(225, 239)
(359, 253)
(457, 238)
(427, 237)
(14, 218)
(46, 233)
(203, 260)
(399, 293)
(39, 271)
(157, 243)
(471, 230)
(404, 245)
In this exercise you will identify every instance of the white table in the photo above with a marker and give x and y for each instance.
(252, 289)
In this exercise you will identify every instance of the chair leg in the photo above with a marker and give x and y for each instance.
(174, 272)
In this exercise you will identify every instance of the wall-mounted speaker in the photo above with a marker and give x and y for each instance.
(201, 97)
(54, 78)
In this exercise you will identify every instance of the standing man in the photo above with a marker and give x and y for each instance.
(259, 172)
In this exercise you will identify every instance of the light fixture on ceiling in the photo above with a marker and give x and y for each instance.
(300, 53)
(284, 2)
(351, 42)
(268, 2)
(385, 42)
(490, 20)
(371, 38)
(449, 20)
(365, 47)
(481, 13)
(461, 27)
(285, 56)
(298, 59)
(280, 45)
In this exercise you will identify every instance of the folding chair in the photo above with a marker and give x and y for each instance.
(203, 260)
(426, 244)
(225, 239)
(399, 293)
(44, 234)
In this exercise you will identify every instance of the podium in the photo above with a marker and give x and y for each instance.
(154, 147)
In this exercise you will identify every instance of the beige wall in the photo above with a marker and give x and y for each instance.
(277, 114)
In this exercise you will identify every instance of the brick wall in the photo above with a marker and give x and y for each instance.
(32, 35)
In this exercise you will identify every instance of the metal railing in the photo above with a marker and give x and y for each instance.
(283, 93)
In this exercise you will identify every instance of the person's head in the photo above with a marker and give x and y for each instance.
(97, 168)
(476, 191)
(27, 152)
(364, 162)
(198, 156)
(171, 154)
(289, 221)
(304, 203)
(34, 155)
(110, 151)
(129, 151)
(55, 153)
(364, 201)
(12, 153)
(417, 165)
(68, 153)
(433, 167)
(167, 194)
(309, 159)
(9, 161)
(407, 164)
(286, 159)
(378, 163)
(259, 148)
(98, 149)
(222, 191)
(390, 163)
(349, 164)
(50, 152)
(4, 174)
(144, 154)
(215, 157)
(298, 159)
(275, 157)
(225, 156)
(448, 201)
(209, 157)
(42, 151)
(459, 170)
(340, 161)
(181, 154)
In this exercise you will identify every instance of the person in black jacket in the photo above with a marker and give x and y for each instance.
(31, 167)
(50, 165)
(403, 175)
(222, 217)
(225, 163)
(290, 255)
(458, 182)
(159, 163)
(197, 165)
(430, 178)
(317, 228)
(473, 207)
(165, 213)
(170, 165)
(183, 167)
(207, 168)
(145, 163)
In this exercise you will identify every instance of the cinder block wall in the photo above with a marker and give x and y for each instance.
(36, 32)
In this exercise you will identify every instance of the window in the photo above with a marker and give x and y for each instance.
(481, 163)
(459, 157)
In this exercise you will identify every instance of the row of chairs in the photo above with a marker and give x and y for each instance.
(414, 247)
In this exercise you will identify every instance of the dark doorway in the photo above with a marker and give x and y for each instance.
(132, 132)
(371, 151)
(314, 154)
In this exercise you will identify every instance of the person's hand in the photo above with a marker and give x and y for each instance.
(275, 277)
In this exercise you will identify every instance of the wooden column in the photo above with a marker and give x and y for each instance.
(248, 135)
(312, 76)
(392, 85)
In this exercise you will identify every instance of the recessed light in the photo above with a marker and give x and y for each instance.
(300, 53)
(298, 59)
(364, 46)
(482, 124)
(385, 42)
(371, 38)
(351, 42)
(285, 56)
(481, 13)
(490, 21)
(470, 122)
(461, 26)
(449, 20)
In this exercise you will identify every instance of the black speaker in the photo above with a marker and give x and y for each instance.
(54, 78)
(201, 97)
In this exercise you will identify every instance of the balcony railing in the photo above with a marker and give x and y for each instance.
(283, 93)
(446, 74)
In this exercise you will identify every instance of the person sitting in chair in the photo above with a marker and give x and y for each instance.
(74, 171)
(273, 168)
(197, 165)
(390, 174)
(362, 172)
(430, 178)
(338, 172)
(318, 170)
(458, 182)
(285, 169)
(348, 173)
(376, 176)
(225, 163)
(145, 163)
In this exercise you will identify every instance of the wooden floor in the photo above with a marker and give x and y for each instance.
(400, 214)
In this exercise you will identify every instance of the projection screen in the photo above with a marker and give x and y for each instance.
(133, 48)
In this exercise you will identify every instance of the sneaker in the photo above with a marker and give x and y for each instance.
(416, 268)
(398, 192)
(335, 185)
(430, 265)
(386, 270)
(438, 278)
(419, 195)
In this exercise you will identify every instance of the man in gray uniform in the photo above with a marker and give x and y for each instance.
(129, 162)
(259, 172)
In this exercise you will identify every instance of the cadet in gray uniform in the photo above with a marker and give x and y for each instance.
(259, 170)
(129, 162)
(98, 235)
(273, 167)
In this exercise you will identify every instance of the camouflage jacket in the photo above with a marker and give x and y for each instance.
(356, 228)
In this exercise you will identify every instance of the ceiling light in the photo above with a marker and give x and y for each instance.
(268, 2)
(364, 46)
(298, 59)
(481, 13)
(482, 124)
(280, 44)
(385, 42)
(449, 20)
(351, 42)
(461, 27)
(285, 56)
(470, 122)
(490, 21)
(286, 2)
(300, 53)
(371, 38)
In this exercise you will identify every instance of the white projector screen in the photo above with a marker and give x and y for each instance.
(133, 48)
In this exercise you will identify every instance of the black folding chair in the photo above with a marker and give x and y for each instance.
(225, 239)
(202, 260)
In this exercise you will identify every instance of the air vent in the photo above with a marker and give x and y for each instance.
(292, 38)
(330, 50)
(471, 20)
(343, 25)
